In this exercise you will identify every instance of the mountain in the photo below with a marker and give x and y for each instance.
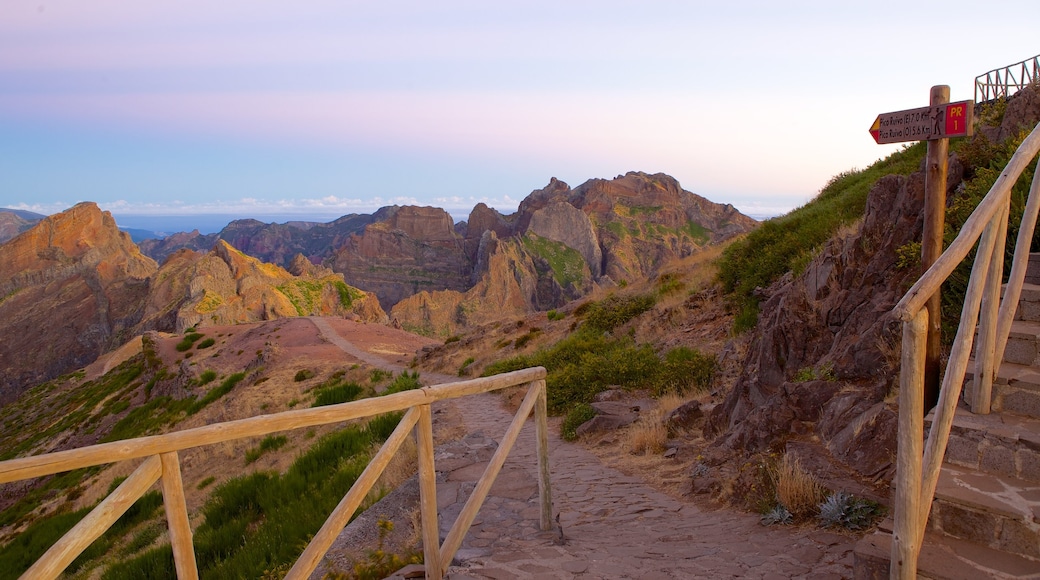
(438, 276)
(74, 286)
(563, 243)
(71, 287)
(16, 221)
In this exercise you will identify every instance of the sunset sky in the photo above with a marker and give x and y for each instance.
(312, 110)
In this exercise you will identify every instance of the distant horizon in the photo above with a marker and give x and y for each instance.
(270, 110)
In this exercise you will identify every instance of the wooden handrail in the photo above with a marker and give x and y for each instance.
(917, 477)
(931, 280)
(162, 464)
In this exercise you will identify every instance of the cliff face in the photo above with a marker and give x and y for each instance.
(564, 242)
(274, 243)
(410, 250)
(71, 288)
(618, 229)
(825, 353)
(74, 287)
(226, 286)
(13, 223)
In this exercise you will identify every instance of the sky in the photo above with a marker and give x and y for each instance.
(316, 109)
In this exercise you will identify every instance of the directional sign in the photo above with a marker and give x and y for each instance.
(924, 124)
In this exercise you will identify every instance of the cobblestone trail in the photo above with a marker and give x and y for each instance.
(613, 525)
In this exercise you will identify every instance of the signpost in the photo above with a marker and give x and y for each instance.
(924, 124)
(935, 124)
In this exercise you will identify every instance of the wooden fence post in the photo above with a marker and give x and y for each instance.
(541, 416)
(177, 517)
(932, 245)
(431, 538)
(907, 531)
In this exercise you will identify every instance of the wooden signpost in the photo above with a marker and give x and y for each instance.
(935, 123)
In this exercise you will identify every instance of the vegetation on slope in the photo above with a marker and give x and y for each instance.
(787, 243)
(595, 357)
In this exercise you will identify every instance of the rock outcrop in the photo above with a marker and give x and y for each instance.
(226, 286)
(74, 286)
(409, 250)
(14, 222)
(71, 287)
(825, 353)
(618, 229)
(564, 242)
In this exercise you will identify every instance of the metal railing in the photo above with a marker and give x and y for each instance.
(916, 480)
(162, 464)
(1006, 81)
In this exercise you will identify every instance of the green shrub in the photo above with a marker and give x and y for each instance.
(379, 375)
(206, 482)
(587, 362)
(205, 344)
(336, 394)
(258, 523)
(269, 443)
(217, 392)
(207, 376)
(404, 382)
(614, 310)
(522, 341)
(555, 315)
(578, 415)
(684, 369)
(844, 510)
(464, 369)
(302, 375)
(784, 243)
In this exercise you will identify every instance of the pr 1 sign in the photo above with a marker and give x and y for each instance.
(925, 123)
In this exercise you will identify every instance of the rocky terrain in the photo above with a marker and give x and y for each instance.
(74, 287)
(438, 277)
(14, 222)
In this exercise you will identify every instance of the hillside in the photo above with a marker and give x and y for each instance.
(14, 222)
(558, 246)
(768, 351)
(74, 287)
(163, 382)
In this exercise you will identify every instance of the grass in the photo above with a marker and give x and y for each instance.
(786, 243)
(589, 361)
(269, 443)
(649, 433)
(336, 393)
(567, 264)
(260, 522)
(27, 547)
(796, 489)
(464, 368)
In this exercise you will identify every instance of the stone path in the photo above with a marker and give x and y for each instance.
(613, 525)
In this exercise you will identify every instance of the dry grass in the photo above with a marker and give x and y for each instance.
(649, 433)
(796, 489)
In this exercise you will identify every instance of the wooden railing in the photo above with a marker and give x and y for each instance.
(1006, 81)
(916, 480)
(162, 464)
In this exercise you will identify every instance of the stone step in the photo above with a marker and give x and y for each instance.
(1023, 343)
(995, 511)
(999, 443)
(1033, 269)
(942, 558)
(1016, 388)
(1029, 303)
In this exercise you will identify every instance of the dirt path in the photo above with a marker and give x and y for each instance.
(614, 526)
